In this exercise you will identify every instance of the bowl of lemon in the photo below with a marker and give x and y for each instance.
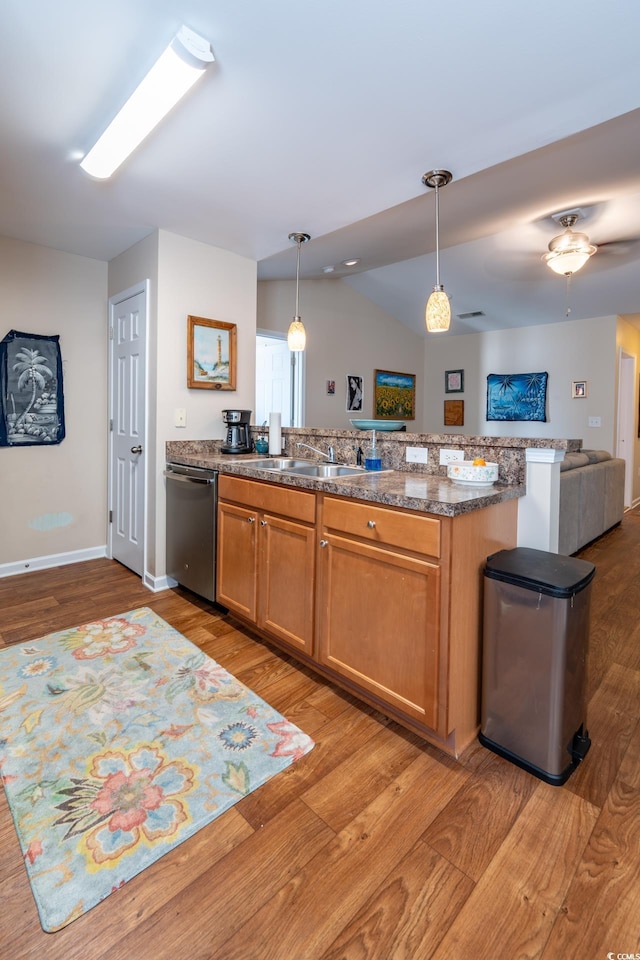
(475, 473)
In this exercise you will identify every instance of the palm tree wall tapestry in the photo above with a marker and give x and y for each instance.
(31, 396)
(517, 396)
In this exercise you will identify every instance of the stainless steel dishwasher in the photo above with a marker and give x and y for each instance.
(192, 498)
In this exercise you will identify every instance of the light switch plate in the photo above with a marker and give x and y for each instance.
(450, 456)
(417, 454)
(595, 421)
(180, 417)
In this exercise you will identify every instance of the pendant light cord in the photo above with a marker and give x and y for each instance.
(437, 237)
(298, 281)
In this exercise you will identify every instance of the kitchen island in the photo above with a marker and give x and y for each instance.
(373, 580)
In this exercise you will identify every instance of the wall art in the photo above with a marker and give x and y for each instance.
(517, 396)
(454, 413)
(578, 389)
(394, 395)
(355, 393)
(31, 393)
(454, 381)
(331, 387)
(211, 354)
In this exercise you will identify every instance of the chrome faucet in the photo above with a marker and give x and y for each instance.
(331, 455)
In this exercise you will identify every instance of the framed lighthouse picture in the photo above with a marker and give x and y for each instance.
(211, 354)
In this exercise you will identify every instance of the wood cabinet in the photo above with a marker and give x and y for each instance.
(379, 604)
(400, 610)
(266, 558)
(384, 601)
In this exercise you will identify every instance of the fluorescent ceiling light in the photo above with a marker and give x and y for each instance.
(182, 63)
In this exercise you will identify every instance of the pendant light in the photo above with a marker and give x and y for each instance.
(438, 311)
(296, 336)
(569, 252)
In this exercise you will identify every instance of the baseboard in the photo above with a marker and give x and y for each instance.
(54, 560)
(156, 584)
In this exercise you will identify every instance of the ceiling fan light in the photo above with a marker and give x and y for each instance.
(569, 252)
(437, 314)
(296, 336)
(566, 262)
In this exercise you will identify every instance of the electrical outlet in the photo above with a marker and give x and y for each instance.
(595, 421)
(180, 417)
(450, 456)
(417, 455)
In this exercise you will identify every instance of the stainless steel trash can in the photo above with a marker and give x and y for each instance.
(535, 639)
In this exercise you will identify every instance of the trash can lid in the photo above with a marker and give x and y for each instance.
(550, 573)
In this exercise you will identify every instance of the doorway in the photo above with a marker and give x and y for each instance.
(280, 376)
(626, 420)
(128, 427)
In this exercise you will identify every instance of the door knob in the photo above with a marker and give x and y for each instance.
(251, 519)
(324, 543)
(137, 449)
(263, 523)
(371, 524)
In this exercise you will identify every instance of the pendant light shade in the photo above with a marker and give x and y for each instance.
(438, 310)
(296, 335)
(569, 252)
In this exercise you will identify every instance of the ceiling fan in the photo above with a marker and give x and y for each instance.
(569, 252)
(572, 249)
(521, 254)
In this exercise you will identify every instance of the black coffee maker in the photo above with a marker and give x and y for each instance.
(238, 439)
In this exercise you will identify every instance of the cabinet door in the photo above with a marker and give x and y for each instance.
(379, 624)
(287, 580)
(237, 559)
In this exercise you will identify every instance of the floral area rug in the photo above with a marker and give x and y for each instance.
(119, 740)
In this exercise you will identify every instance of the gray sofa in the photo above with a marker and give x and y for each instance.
(591, 497)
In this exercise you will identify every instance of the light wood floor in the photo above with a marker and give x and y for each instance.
(374, 846)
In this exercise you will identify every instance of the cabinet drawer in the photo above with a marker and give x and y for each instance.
(379, 525)
(298, 504)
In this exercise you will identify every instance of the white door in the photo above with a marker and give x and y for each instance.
(280, 380)
(127, 390)
(626, 419)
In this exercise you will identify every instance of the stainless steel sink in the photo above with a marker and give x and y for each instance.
(324, 471)
(304, 468)
(279, 463)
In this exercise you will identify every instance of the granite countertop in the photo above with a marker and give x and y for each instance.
(413, 491)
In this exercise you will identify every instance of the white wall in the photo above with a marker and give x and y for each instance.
(53, 500)
(346, 333)
(187, 278)
(572, 350)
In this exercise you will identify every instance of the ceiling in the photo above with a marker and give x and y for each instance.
(322, 117)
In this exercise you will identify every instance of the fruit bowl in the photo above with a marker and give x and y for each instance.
(465, 471)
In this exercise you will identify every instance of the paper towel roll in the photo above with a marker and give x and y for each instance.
(275, 434)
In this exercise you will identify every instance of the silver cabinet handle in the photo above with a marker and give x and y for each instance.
(324, 543)
(263, 523)
(137, 449)
(251, 519)
(371, 524)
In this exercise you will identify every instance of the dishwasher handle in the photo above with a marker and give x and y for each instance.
(178, 476)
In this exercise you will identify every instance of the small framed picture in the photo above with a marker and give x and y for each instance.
(211, 354)
(454, 413)
(578, 389)
(331, 387)
(355, 393)
(454, 381)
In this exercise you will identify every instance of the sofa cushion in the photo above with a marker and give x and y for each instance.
(597, 456)
(572, 460)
